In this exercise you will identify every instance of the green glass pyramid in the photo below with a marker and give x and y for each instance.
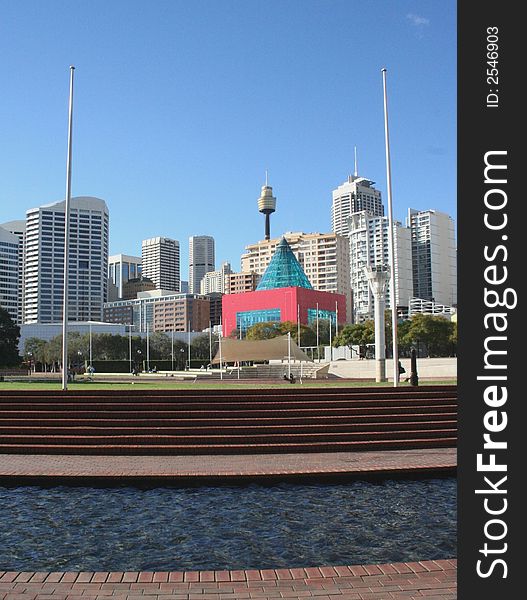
(284, 270)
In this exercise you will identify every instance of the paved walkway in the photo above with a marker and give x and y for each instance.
(426, 579)
(225, 467)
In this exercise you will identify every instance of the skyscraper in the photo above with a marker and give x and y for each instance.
(18, 228)
(121, 268)
(161, 262)
(201, 260)
(214, 281)
(10, 250)
(433, 256)
(368, 244)
(88, 261)
(356, 194)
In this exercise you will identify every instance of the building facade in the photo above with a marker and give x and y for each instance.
(283, 294)
(324, 257)
(354, 195)
(161, 262)
(161, 310)
(237, 283)
(214, 281)
(368, 246)
(18, 228)
(10, 250)
(201, 259)
(121, 268)
(434, 256)
(88, 261)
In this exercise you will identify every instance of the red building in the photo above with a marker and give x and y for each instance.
(281, 304)
(283, 294)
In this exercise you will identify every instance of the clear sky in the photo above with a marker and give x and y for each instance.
(181, 106)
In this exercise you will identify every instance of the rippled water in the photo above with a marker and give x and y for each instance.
(285, 525)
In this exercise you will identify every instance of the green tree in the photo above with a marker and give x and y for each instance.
(264, 331)
(433, 331)
(35, 350)
(358, 334)
(9, 336)
(200, 347)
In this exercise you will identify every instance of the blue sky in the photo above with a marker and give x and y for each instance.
(181, 106)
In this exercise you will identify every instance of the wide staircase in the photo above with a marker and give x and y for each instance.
(178, 422)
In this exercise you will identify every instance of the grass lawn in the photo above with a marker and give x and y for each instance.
(158, 385)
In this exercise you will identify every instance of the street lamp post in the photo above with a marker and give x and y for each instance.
(378, 278)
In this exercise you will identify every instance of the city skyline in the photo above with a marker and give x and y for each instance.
(190, 121)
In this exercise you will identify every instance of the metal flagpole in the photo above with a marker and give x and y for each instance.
(289, 354)
(298, 323)
(210, 344)
(147, 348)
(130, 345)
(189, 345)
(90, 347)
(390, 237)
(219, 349)
(172, 348)
(66, 240)
(318, 342)
(330, 346)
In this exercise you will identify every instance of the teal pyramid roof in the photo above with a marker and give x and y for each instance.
(284, 270)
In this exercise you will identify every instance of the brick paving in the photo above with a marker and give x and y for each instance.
(397, 581)
(220, 467)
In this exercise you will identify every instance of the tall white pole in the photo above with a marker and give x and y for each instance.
(298, 324)
(172, 348)
(318, 342)
(66, 240)
(210, 343)
(147, 347)
(221, 359)
(289, 354)
(130, 345)
(189, 345)
(91, 354)
(393, 301)
(336, 318)
(330, 346)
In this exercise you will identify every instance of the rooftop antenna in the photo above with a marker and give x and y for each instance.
(356, 171)
(266, 178)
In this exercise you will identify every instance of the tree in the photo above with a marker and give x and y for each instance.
(433, 331)
(358, 334)
(200, 347)
(9, 336)
(264, 331)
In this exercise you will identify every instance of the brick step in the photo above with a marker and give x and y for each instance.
(232, 405)
(283, 448)
(175, 414)
(192, 421)
(204, 440)
(249, 399)
(147, 430)
(423, 391)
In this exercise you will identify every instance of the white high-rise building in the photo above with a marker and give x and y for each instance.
(121, 268)
(201, 260)
(214, 281)
(161, 262)
(10, 250)
(323, 256)
(18, 228)
(356, 194)
(88, 261)
(434, 256)
(368, 244)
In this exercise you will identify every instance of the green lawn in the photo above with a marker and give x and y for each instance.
(155, 385)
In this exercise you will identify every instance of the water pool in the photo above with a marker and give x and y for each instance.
(224, 527)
